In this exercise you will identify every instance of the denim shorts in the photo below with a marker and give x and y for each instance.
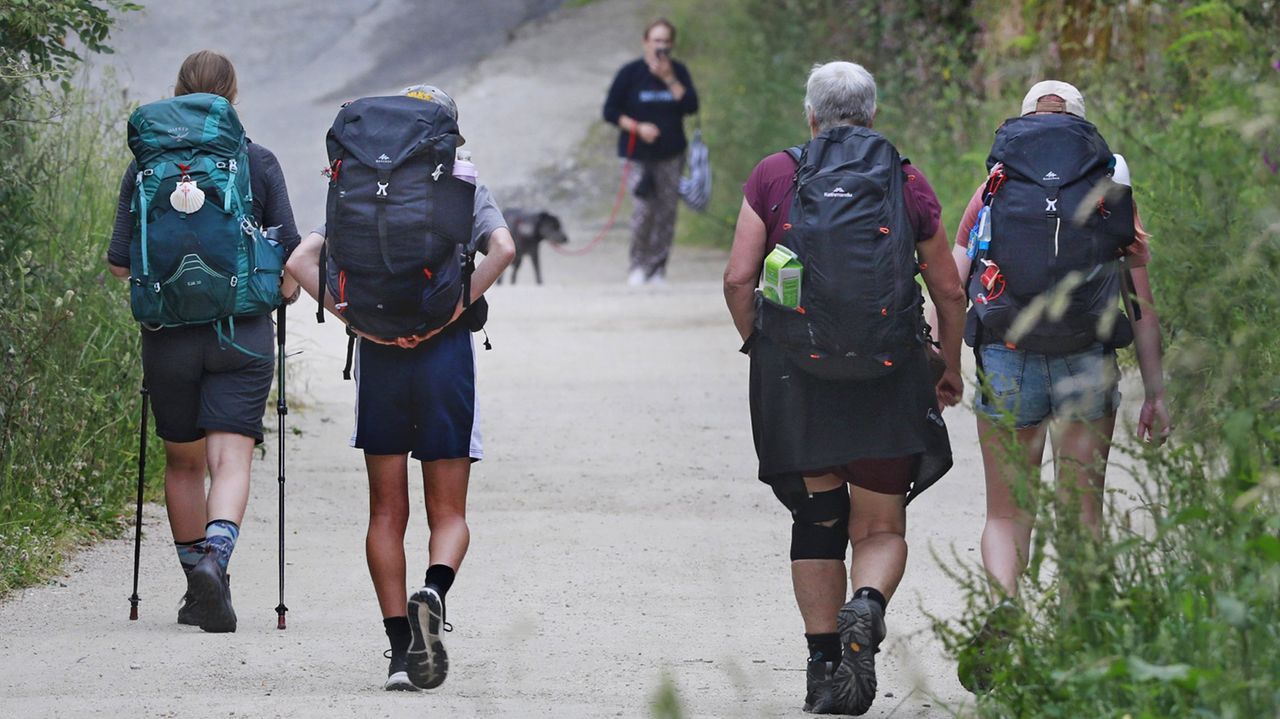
(1032, 387)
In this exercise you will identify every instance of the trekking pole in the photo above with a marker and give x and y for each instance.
(282, 408)
(137, 519)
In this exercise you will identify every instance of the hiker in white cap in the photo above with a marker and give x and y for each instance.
(1056, 207)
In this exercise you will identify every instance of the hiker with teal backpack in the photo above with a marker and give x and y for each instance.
(395, 262)
(1056, 260)
(204, 276)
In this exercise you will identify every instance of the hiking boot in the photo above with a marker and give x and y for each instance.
(978, 662)
(428, 662)
(189, 611)
(861, 626)
(398, 673)
(210, 587)
(819, 678)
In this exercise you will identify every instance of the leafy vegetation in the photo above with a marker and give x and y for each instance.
(68, 380)
(1176, 612)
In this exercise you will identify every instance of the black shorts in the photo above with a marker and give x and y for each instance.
(199, 383)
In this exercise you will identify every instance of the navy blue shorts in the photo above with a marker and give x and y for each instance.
(420, 401)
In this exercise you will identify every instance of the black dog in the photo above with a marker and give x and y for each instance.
(528, 229)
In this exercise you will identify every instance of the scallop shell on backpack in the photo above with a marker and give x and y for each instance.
(186, 197)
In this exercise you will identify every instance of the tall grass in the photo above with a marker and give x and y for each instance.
(1175, 611)
(69, 374)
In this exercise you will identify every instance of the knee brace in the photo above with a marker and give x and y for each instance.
(820, 523)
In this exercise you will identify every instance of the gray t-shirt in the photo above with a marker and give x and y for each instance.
(488, 219)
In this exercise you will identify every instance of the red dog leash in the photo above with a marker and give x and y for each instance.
(617, 205)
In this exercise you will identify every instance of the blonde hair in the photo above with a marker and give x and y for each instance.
(207, 71)
(660, 22)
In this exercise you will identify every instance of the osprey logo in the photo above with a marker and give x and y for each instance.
(838, 192)
(179, 132)
(383, 158)
(1050, 175)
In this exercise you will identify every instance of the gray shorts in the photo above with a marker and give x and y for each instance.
(199, 384)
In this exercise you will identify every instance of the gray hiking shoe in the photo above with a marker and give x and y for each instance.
(210, 588)
(398, 673)
(861, 626)
(428, 661)
(819, 682)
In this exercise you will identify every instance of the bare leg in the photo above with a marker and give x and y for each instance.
(230, 458)
(184, 495)
(445, 485)
(878, 529)
(1080, 453)
(388, 519)
(1006, 538)
(819, 584)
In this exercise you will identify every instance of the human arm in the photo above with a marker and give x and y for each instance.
(742, 272)
(1153, 418)
(117, 256)
(615, 108)
(943, 282)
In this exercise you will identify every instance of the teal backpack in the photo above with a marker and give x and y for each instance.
(197, 256)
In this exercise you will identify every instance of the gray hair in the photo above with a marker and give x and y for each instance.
(840, 93)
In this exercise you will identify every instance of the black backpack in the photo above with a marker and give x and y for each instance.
(1050, 280)
(860, 311)
(397, 254)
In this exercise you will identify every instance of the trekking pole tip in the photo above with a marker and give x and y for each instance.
(280, 612)
(133, 609)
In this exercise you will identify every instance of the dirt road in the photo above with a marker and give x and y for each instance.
(619, 536)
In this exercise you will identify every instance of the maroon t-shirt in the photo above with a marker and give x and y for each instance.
(769, 187)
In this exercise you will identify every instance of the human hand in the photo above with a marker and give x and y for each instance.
(414, 340)
(950, 388)
(648, 132)
(1153, 420)
(661, 66)
(371, 338)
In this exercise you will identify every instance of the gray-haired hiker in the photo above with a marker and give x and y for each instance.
(405, 285)
(844, 408)
(192, 207)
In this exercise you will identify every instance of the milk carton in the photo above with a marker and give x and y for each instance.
(780, 282)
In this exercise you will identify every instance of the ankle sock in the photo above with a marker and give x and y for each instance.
(824, 647)
(874, 595)
(398, 634)
(220, 538)
(189, 553)
(441, 577)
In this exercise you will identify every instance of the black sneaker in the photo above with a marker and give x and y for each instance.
(819, 678)
(861, 626)
(398, 673)
(428, 662)
(210, 587)
(189, 612)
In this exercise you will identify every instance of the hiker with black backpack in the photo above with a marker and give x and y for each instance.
(1054, 252)
(394, 261)
(203, 277)
(845, 409)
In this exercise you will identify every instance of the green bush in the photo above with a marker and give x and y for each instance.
(1176, 612)
(68, 347)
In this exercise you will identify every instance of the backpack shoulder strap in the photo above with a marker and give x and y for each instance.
(796, 153)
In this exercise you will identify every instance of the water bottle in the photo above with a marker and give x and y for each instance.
(980, 235)
(463, 168)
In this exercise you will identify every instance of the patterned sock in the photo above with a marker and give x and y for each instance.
(220, 538)
(441, 577)
(189, 553)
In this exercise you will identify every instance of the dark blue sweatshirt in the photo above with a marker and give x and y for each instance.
(639, 94)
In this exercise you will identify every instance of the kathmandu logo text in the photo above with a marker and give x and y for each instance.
(838, 192)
